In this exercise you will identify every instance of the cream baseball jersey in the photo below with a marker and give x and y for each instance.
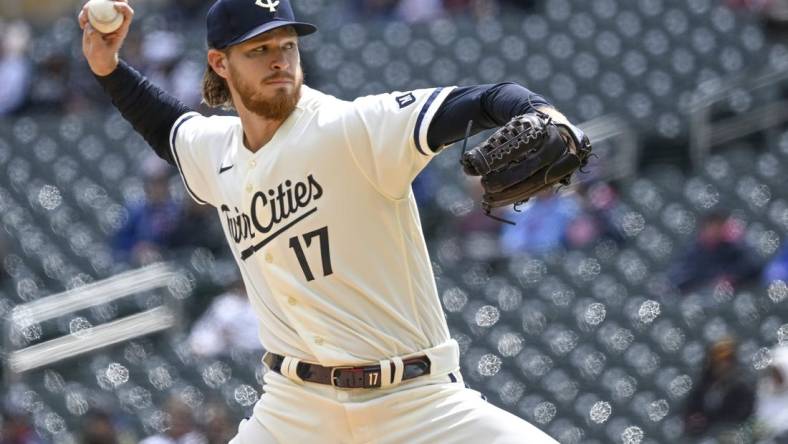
(323, 223)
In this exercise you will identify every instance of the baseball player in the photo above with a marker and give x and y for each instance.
(314, 196)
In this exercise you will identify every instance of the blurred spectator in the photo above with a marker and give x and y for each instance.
(228, 324)
(542, 225)
(598, 201)
(774, 14)
(15, 68)
(723, 397)
(186, 80)
(475, 221)
(777, 268)
(374, 9)
(152, 223)
(50, 92)
(717, 255)
(482, 8)
(97, 428)
(772, 405)
(164, 65)
(751, 5)
(774, 11)
(160, 53)
(180, 428)
(420, 10)
(4, 251)
(198, 226)
(522, 4)
(220, 428)
(16, 429)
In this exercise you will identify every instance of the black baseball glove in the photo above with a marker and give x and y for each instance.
(530, 153)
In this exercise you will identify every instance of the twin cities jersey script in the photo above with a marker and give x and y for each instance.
(308, 214)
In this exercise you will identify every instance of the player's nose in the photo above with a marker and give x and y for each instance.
(280, 62)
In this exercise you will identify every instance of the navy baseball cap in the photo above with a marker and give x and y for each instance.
(234, 21)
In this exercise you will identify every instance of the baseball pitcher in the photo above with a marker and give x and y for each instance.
(314, 196)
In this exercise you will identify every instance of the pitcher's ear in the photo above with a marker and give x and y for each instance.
(217, 60)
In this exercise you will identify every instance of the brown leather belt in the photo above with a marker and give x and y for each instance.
(350, 377)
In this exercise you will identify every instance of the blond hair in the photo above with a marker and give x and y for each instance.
(215, 92)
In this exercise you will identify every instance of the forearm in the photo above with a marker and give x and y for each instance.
(488, 106)
(149, 110)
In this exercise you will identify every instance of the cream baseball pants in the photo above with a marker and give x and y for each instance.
(431, 409)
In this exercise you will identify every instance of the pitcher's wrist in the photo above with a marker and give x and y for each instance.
(103, 70)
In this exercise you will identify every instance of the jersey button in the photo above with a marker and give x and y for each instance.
(269, 258)
(292, 301)
(252, 163)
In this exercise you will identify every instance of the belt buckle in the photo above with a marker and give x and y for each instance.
(334, 377)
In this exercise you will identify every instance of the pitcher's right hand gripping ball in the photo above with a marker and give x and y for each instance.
(527, 155)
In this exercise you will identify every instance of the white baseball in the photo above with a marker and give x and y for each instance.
(103, 16)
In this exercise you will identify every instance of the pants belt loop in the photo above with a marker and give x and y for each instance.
(385, 373)
(289, 367)
(399, 370)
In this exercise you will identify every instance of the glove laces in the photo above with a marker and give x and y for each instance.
(486, 208)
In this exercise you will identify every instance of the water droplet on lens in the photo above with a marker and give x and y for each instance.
(216, 374)
(454, 299)
(489, 364)
(782, 335)
(778, 291)
(632, 435)
(680, 386)
(595, 313)
(545, 412)
(117, 374)
(54, 423)
(600, 412)
(245, 395)
(76, 404)
(648, 311)
(762, 358)
(80, 327)
(633, 223)
(658, 409)
(53, 381)
(487, 316)
(49, 197)
(160, 378)
(192, 397)
(510, 344)
(511, 391)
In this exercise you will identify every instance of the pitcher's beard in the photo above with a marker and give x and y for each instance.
(278, 107)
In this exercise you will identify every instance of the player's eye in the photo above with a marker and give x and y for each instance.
(290, 45)
(260, 49)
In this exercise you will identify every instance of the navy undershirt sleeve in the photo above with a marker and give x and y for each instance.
(488, 106)
(151, 111)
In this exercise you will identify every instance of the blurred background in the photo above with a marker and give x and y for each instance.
(646, 304)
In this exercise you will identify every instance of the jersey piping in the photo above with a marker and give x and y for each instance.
(422, 114)
(174, 134)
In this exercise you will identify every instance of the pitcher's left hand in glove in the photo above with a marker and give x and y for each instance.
(530, 153)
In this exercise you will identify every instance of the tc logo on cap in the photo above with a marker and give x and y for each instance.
(230, 22)
(271, 5)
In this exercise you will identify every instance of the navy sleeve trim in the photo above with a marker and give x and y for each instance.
(151, 111)
(420, 120)
(183, 119)
(488, 106)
